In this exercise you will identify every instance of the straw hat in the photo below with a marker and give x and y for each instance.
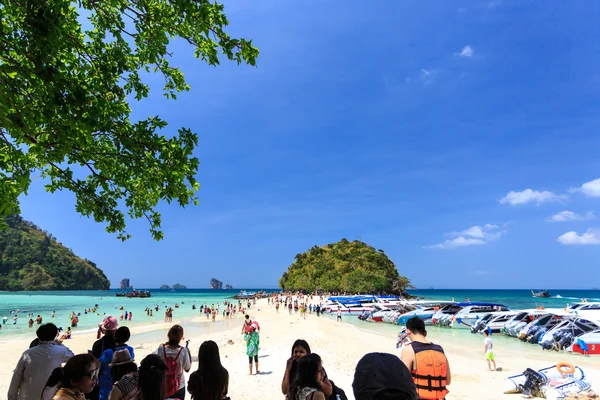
(121, 357)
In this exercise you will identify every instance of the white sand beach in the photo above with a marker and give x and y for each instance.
(340, 345)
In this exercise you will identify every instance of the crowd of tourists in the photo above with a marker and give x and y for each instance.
(109, 372)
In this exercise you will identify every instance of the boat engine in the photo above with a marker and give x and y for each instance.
(478, 326)
(534, 383)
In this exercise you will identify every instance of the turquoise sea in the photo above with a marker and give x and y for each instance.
(64, 303)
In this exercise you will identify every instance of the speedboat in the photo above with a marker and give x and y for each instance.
(471, 312)
(492, 322)
(588, 343)
(513, 326)
(563, 334)
(533, 331)
(543, 293)
(425, 311)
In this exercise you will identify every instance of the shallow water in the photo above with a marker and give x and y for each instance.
(66, 302)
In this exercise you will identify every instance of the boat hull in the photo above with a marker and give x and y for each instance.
(593, 348)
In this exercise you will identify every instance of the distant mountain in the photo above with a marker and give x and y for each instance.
(228, 287)
(165, 287)
(179, 286)
(32, 259)
(216, 284)
(125, 284)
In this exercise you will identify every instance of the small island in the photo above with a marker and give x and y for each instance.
(228, 287)
(216, 284)
(165, 287)
(179, 286)
(350, 267)
(125, 284)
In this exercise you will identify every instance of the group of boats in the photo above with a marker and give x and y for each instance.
(134, 293)
(575, 328)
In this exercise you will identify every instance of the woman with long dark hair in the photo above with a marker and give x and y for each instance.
(307, 385)
(300, 348)
(152, 378)
(76, 379)
(178, 360)
(211, 380)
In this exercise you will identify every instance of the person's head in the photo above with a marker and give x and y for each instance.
(415, 326)
(486, 333)
(383, 376)
(175, 335)
(121, 364)
(247, 317)
(109, 325)
(79, 373)
(153, 377)
(47, 332)
(300, 348)
(210, 380)
(122, 334)
(310, 371)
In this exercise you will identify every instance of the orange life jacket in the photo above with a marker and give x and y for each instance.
(431, 370)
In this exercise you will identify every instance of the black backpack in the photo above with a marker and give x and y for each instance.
(337, 391)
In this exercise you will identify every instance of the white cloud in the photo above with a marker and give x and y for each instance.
(467, 51)
(425, 73)
(590, 189)
(588, 238)
(528, 195)
(473, 236)
(461, 10)
(566, 215)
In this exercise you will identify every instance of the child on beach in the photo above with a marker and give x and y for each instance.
(488, 350)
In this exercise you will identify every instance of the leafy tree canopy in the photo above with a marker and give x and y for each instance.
(65, 92)
(32, 259)
(344, 266)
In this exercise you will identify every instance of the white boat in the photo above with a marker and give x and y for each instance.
(564, 333)
(492, 322)
(425, 310)
(533, 331)
(513, 326)
(358, 304)
(540, 378)
(585, 306)
(589, 341)
(470, 312)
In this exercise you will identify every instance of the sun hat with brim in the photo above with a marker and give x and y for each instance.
(121, 357)
(378, 372)
(109, 323)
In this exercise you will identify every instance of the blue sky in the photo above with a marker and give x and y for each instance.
(403, 124)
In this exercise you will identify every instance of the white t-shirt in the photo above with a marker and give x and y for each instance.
(183, 361)
(488, 344)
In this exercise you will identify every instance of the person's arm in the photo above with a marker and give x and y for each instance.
(448, 374)
(226, 384)
(407, 356)
(115, 394)
(318, 395)
(285, 383)
(67, 354)
(187, 361)
(17, 378)
(326, 386)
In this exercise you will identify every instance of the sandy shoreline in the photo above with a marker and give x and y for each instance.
(340, 345)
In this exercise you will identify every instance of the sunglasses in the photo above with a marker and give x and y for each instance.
(94, 374)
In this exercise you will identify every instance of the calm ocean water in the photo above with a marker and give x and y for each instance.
(65, 302)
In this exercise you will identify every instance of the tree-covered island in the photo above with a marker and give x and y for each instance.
(352, 267)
